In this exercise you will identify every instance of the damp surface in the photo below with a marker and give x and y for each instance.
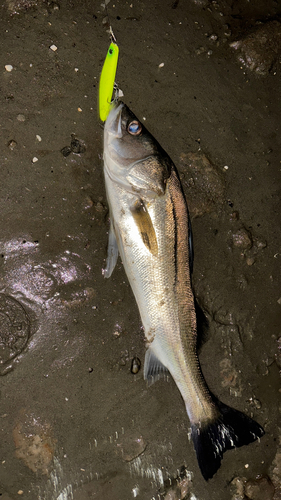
(77, 419)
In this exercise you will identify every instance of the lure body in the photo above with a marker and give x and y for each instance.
(107, 80)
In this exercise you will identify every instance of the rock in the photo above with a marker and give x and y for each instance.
(230, 378)
(16, 6)
(135, 365)
(34, 442)
(242, 239)
(260, 50)
(178, 488)
(259, 489)
(77, 146)
(238, 486)
(12, 144)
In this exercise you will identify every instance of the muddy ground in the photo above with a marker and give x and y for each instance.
(75, 422)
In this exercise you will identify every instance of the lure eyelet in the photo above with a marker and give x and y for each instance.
(134, 128)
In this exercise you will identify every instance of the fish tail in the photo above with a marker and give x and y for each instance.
(231, 429)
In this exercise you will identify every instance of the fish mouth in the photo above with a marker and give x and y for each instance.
(113, 122)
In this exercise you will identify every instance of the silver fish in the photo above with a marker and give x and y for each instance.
(150, 229)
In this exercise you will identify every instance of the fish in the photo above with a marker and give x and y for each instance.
(150, 229)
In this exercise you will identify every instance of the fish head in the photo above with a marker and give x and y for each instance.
(132, 157)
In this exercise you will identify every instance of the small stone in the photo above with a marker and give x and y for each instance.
(261, 244)
(234, 215)
(255, 402)
(12, 144)
(99, 207)
(135, 366)
(21, 118)
(9, 68)
(259, 51)
(238, 484)
(65, 151)
(161, 65)
(242, 239)
(53, 48)
(260, 488)
(54, 6)
(250, 261)
(77, 146)
(39, 138)
(88, 203)
(34, 159)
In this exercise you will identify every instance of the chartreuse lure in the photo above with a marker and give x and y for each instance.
(107, 79)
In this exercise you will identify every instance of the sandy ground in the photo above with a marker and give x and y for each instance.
(75, 422)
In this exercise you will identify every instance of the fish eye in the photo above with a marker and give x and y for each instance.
(134, 128)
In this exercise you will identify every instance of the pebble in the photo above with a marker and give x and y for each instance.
(234, 216)
(260, 50)
(77, 146)
(250, 261)
(261, 244)
(53, 48)
(8, 67)
(242, 239)
(260, 488)
(200, 50)
(34, 159)
(135, 366)
(255, 403)
(12, 144)
(65, 151)
(21, 118)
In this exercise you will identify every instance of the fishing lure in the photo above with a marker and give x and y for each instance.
(107, 79)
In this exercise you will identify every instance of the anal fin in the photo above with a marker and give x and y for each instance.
(153, 368)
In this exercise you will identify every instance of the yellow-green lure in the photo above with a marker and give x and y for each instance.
(107, 79)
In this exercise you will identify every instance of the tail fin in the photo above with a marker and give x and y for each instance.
(232, 429)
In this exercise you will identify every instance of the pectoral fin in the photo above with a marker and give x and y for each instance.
(153, 368)
(112, 253)
(144, 223)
